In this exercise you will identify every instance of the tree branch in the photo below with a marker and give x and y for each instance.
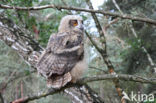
(12, 78)
(29, 51)
(21, 41)
(83, 81)
(136, 36)
(10, 38)
(104, 55)
(1, 98)
(153, 65)
(125, 16)
(124, 77)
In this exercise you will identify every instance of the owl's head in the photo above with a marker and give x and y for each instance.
(71, 22)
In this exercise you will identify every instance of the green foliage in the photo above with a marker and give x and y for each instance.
(27, 72)
(135, 44)
(151, 102)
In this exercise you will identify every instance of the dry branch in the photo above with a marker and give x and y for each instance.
(136, 36)
(125, 16)
(124, 77)
(28, 51)
(21, 41)
(103, 53)
(90, 79)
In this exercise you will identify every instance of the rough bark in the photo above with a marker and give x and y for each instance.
(125, 16)
(104, 54)
(81, 92)
(20, 40)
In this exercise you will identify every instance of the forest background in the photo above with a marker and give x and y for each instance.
(120, 38)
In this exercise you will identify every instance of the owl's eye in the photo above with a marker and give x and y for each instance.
(74, 22)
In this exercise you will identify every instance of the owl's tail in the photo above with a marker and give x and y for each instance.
(59, 81)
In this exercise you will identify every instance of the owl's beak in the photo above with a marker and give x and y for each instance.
(81, 27)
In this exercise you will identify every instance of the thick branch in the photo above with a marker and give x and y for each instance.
(125, 16)
(20, 40)
(124, 77)
(104, 52)
(90, 79)
(99, 49)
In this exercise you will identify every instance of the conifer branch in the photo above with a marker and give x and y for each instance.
(125, 16)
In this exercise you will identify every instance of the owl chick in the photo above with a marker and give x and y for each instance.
(63, 60)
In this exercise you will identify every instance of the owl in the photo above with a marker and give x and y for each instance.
(63, 60)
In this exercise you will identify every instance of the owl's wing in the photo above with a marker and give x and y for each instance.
(64, 43)
(60, 56)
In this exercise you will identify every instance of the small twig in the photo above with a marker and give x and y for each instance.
(99, 49)
(124, 77)
(136, 36)
(5, 83)
(97, 69)
(112, 22)
(125, 16)
(104, 52)
(117, 6)
(144, 49)
(89, 79)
